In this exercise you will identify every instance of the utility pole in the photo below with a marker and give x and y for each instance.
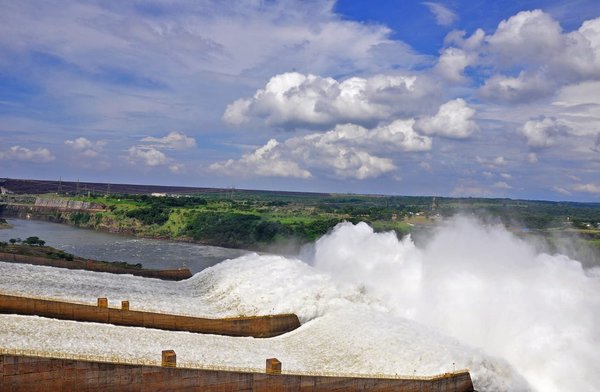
(77, 189)
(59, 185)
(107, 189)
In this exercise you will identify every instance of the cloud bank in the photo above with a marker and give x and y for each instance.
(154, 89)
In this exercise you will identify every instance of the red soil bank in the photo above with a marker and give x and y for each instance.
(92, 265)
(259, 327)
(32, 374)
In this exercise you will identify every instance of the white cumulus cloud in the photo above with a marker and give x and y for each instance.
(522, 88)
(173, 141)
(150, 152)
(542, 133)
(529, 56)
(452, 63)
(148, 156)
(347, 151)
(86, 147)
(294, 99)
(267, 161)
(501, 185)
(527, 37)
(18, 153)
(443, 15)
(491, 163)
(587, 188)
(453, 120)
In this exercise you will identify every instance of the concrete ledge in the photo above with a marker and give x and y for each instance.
(34, 374)
(96, 266)
(259, 326)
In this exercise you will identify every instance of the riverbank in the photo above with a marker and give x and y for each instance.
(51, 257)
(114, 223)
(4, 224)
(255, 222)
(100, 245)
(264, 223)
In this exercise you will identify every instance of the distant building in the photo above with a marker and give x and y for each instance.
(156, 194)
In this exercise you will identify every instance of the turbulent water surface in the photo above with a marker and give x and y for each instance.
(473, 297)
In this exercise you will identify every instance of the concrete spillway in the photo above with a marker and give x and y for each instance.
(97, 266)
(37, 374)
(258, 326)
(341, 332)
(21, 372)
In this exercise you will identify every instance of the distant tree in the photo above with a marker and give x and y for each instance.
(36, 241)
(12, 241)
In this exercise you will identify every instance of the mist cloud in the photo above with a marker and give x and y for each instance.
(482, 285)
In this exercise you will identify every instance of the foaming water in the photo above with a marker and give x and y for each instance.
(474, 297)
(485, 287)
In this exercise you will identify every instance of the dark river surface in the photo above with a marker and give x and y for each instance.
(156, 254)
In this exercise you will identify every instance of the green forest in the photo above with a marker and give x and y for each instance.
(262, 219)
(254, 219)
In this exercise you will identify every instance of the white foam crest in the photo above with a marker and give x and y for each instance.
(267, 284)
(484, 286)
(86, 286)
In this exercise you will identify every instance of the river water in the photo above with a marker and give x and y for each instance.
(152, 253)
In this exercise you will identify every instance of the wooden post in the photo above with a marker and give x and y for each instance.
(103, 302)
(169, 358)
(124, 305)
(273, 366)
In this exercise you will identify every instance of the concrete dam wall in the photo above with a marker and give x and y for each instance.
(45, 209)
(91, 265)
(259, 326)
(21, 373)
(67, 204)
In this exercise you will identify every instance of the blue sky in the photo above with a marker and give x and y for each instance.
(452, 98)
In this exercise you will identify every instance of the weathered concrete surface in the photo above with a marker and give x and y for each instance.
(65, 204)
(32, 374)
(259, 327)
(92, 265)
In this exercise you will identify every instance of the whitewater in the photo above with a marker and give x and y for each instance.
(474, 296)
